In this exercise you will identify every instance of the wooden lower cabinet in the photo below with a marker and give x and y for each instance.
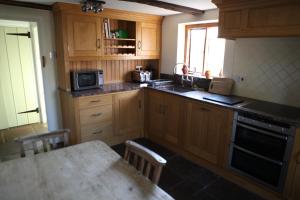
(129, 112)
(163, 116)
(200, 129)
(112, 118)
(206, 128)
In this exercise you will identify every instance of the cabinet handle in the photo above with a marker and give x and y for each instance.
(164, 109)
(139, 44)
(96, 101)
(140, 104)
(204, 109)
(98, 43)
(160, 109)
(97, 114)
(98, 132)
(298, 158)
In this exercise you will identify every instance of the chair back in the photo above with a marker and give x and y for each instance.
(147, 162)
(48, 141)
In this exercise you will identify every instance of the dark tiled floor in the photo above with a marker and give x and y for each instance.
(185, 180)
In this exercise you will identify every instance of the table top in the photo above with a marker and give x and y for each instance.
(90, 170)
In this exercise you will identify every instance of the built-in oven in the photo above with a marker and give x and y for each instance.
(261, 148)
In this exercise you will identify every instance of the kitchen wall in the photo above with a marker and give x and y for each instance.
(270, 66)
(45, 24)
(170, 36)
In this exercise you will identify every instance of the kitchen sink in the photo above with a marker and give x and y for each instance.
(178, 89)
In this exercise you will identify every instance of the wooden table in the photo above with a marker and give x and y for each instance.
(90, 171)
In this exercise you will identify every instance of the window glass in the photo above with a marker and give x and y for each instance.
(204, 50)
(197, 45)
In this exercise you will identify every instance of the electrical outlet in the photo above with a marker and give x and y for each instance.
(239, 79)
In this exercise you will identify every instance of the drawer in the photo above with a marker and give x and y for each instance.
(96, 131)
(92, 101)
(96, 115)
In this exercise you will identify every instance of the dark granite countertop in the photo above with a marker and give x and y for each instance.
(198, 96)
(107, 88)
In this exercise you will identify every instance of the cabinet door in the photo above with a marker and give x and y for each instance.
(171, 111)
(155, 116)
(129, 113)
(84, 35)
(230, 24)
(205, 128)
(148, 39)
(296, 184)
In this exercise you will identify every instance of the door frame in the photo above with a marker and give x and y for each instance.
(45, 25)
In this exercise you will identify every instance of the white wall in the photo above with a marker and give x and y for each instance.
(270, 66)
(170, 35)
(44, 20)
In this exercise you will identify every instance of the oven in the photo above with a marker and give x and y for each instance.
(261, 148)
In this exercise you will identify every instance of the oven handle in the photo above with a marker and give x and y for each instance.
(257, 155)
(263, 132)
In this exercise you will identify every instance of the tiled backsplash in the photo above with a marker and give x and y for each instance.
(270, 66)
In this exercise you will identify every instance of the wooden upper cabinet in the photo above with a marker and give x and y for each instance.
(129, 113)
(84, 35)
(206, 128)
(240, 18)
(148, 39)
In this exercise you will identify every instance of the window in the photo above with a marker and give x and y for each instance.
(204, 50)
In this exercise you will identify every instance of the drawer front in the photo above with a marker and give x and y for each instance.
(96, 115)
(92, 101)
(96, 131)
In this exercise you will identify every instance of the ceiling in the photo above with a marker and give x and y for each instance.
(198, 4)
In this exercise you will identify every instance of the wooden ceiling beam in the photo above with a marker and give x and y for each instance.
(168, 6)
(26, 4)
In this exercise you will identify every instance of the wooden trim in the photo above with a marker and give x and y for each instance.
(26, 4)
(168, 6)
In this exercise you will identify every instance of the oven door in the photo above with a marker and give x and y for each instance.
(260, 141)
(258, 167)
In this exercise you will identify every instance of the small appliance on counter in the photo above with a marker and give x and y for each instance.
(221, 86)
(141, 76)
(84, 80)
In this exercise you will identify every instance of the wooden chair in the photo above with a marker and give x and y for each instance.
(51, 140)
(147, 162)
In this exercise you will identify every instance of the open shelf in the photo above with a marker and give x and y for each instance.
(120, 39)
(121, 46)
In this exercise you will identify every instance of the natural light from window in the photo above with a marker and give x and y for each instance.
(204, 50)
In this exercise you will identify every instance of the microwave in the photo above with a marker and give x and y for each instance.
(84, 80)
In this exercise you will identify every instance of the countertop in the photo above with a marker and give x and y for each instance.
(193, 95)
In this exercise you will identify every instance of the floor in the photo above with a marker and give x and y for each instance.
(8, 148)
(185, 180)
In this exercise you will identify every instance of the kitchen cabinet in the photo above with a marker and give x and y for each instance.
(163, 116)
(292, 188)
(95, 117)
(148, 39)
(240, 18)
(84, 35)
(206, 128)
(129, 113)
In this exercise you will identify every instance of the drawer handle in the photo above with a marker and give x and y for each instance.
(96, 101)
(204, 109)
(98, 132)
(97, 114)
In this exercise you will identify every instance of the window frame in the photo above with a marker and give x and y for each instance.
(187, 46)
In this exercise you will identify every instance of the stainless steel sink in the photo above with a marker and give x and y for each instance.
(178, 89)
